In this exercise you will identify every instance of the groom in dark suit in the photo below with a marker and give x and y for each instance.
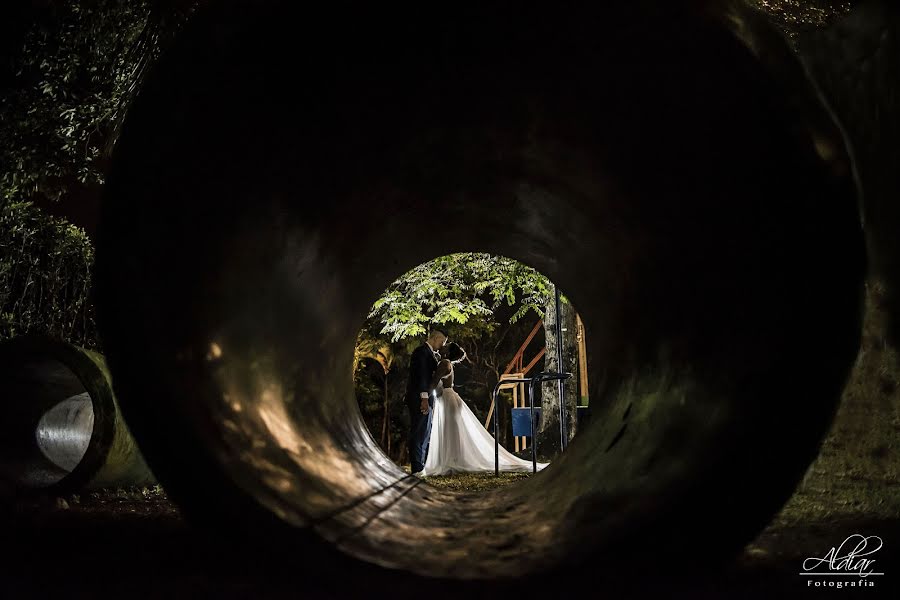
(419, 401)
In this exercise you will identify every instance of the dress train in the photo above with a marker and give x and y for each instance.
(460, 443)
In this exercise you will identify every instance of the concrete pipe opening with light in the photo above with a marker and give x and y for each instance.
(669, 166)
(62, 430)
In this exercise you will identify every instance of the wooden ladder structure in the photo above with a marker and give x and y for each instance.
(515, 370)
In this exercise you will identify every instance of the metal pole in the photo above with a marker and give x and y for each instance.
(496, 432)
(530, 382)
(559, 369)
(533, 439)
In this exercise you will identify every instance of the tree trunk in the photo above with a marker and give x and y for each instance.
(385, 424)
(548, 437)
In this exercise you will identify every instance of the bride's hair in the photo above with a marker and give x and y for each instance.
(454, 352)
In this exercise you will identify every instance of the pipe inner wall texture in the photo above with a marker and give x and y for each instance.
(668, 164)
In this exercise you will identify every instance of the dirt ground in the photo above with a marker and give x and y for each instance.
(134, 542)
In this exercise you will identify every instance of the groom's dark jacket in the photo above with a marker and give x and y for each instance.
(422, 365)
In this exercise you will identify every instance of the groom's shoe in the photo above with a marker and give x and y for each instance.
(419, 474)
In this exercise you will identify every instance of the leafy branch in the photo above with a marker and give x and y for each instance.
(464, 289)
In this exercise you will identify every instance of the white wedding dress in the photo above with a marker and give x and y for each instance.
(460, 443)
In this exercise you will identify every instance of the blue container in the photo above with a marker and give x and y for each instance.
(520, 417)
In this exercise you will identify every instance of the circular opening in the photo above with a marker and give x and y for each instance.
(48, 422)
(673, 189)
(61, 428)
(269, 384)
(499, 317)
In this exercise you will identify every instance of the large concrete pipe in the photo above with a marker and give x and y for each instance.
(856, 63)
(670, 166)
(61, 428)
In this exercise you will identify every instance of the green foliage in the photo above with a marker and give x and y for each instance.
(45, 276)
(482, 297)
(465, 289)
(380, 364)
(370, 398)
(74, 72)
(81, 65)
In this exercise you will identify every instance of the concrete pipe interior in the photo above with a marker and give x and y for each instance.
(60, 429)
(670, 167)
(49, 424)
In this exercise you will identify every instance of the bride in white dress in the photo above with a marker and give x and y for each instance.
(459, 442)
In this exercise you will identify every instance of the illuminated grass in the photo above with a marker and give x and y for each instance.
(474, 482)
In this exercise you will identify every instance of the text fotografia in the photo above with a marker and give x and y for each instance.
(847, 565)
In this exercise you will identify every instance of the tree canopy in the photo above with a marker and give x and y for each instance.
(465, 289)
(480, 297)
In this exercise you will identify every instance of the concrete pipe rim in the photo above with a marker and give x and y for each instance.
(251, 300)
(37, 348)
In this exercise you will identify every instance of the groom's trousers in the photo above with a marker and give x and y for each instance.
(419, 435)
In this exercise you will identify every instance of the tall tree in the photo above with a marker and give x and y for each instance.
(548, 435)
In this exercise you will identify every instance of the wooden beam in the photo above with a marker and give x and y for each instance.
(534, 360)
(505, 386)
(582, 361)
(516, 405)
(518, 354)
